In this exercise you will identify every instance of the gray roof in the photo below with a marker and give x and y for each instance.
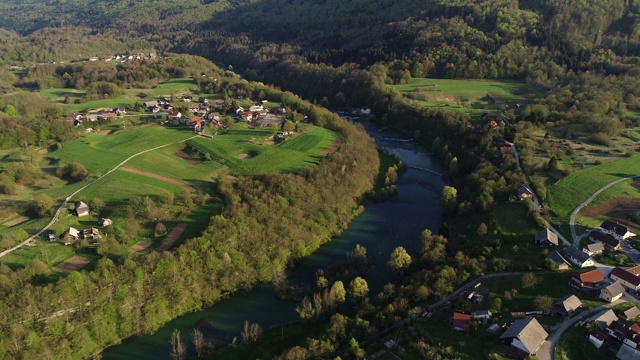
(529, 332)
(604, 318)
(632, 312)
(81, 205)
(615, 289)
(569, 303)
(557, 258)
(627, 353)
(547, 235)
(596, 246)
(573, 252)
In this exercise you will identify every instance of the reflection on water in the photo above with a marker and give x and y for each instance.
(380, 229)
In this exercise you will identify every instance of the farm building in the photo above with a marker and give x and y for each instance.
(460, 321)
(631, 313)
(587, 279)
(561, 262)
(524, 337)
(626, 278)
(567, 306)
(105, 222)
(577, 257)
(82, 209)
(610, 243)
(612, 292)
(593, 249)
(546, 238)
(603, 319)
(620, 232)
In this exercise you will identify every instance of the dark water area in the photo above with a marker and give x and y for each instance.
(380, 228)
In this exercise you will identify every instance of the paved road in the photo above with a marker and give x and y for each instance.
(572, 220)
(547, 350)
(63, 207)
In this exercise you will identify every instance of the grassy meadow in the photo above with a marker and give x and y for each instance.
(517, 230)
(566, 194)
(474, 97)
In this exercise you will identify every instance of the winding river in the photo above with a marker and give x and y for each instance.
(380, 229)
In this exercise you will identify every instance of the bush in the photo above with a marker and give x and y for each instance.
(601, 139)
(73, 171)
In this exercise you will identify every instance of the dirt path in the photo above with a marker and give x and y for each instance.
(172, 237)
(333, 147)
(159, 177)
(139, 246)
(63, 207)
(72, 264)
(16, 221)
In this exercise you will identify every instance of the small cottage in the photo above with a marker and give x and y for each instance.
(82, 209)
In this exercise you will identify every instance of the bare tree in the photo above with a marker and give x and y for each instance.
(178, 350)
(198, 341)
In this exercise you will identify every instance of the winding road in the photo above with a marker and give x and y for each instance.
(63, 207)
(574, 214)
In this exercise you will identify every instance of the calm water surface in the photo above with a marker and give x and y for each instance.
(380, 229)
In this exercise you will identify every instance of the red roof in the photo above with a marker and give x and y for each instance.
(504, 149)
(493, 123)
(598, 335)
(592, 276)
(461, 321)
(635, 328)
(625, 276)
(197, 119)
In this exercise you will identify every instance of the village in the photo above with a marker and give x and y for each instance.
(601, 301)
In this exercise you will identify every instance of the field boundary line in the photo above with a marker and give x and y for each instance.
(63, 207)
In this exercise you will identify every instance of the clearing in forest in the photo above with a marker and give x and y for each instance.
(72, 264)
(188, 188)
(172, 237)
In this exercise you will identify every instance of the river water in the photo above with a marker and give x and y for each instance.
(380, 229)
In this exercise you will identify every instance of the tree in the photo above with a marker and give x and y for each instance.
(543, 303)
(358, 288)
(400, 259)
(338, 293)
(529, 280)
(482, 230)
(10, 110)
(496, 305)
(178, 350)
(288, 126)
(449, 198)
(44, 205)
(552, 164)
(96, 205)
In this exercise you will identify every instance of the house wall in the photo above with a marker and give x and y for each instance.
(597, 343)
(625, 283)
(630, 343)
(519, 345)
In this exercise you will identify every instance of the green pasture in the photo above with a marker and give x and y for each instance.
(470, 96)
(566, 194)
(517, 231)
(574, 344)
(289, 156)
(164, 162)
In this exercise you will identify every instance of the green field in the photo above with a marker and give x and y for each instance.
(517, 230)
(565, 195)
(130, 97)
(471, 96)
(248, 151)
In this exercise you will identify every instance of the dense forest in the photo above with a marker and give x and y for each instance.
(584, 54)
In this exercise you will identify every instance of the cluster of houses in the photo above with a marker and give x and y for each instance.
(607, 238)
(199, 113)
(82, 209)
(124, 58)
(261, 117)
(96, 115)
(617, 329)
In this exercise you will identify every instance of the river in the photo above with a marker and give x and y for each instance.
(380, 229)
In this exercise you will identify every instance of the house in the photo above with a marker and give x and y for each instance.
(197, 123)
(610, 243)
(561, 262)
(150, 105)
(524, 337)
(620, 232)
(546, 238)
(593, 249)
(577, 257)
(256, 108)
(104, 222)
(82, 209)
(567, 306)
(612, 292)
(493, 123)
(482, 314)
(627, 353)
(194, 108)
(603, 319)
(52, 237)
(203, 100)
(94, 58)
(627, 279)
(503, 151)
(92, 117)
(597, 338)
(460, 321)
(247, 115)
(92, 233)
(282, 110)
(628, 333)
(75, 234)
(587, 279)
(239, 110)
(631, 313)
(524, 192)
(120, 111)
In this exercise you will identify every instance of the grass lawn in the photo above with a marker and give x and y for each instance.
(565, 195)
(574, 344)
(471, 96)
(247, 151)
(518, 230)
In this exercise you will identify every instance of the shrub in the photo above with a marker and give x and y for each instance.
(601, 139)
